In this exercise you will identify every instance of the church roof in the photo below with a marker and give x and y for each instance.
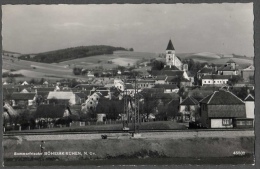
(170, 46)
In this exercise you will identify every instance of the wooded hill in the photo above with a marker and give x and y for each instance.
(71, 53)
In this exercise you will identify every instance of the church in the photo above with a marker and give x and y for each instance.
(172, 61)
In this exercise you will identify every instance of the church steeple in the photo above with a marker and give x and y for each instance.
(170, 45)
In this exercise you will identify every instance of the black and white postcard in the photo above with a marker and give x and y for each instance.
(128, 84)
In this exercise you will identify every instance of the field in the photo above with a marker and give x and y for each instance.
(64, 69)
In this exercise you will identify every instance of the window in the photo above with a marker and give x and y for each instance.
(249, 123)
(169, 59)
(214, 81)
(169, 52)
(226, 122)
(209, 81)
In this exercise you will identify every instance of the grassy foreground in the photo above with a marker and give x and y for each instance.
(129, 148)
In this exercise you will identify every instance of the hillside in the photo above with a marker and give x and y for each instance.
(71, 53)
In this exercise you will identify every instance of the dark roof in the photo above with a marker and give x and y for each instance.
(166, 72)
(153, 90)
(161, 77)
(172, 67)
(222, 97)
(170, 46)
(249, 98)
(189, 101)
(166, 86)
(216, 77)
(145, 81)
(23, 96)
(80, 94)
(45, 89)
(174, 96)
(50, 111)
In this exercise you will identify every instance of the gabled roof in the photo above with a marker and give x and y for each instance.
(189, 101)
(172, 67)
(222, 97)
(170, 46)
(41, 89)
(249, 68)
(50, 111)
(231, 61)
(60, 95)
(166, 72)
(23, 96)
(249, 98)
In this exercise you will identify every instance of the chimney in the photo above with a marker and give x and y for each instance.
(180, 99)
(170, 66)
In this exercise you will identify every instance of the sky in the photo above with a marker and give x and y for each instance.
(218, 28)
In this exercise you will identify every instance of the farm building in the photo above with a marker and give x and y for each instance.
(222, 109)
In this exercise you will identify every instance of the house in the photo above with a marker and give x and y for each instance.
(49, 113)
(118, 83)
(248, 73)
(217, 80)
(103, 90)
(160, 79)
(61, 97)
(23, 99)
(206, 70)
(221, 109)
(230, 68)
(189, 109)
(145, 83)
(168, 88)
(250, 106)
(24, 83)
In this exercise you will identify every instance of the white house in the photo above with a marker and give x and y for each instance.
(215, 80)
(118, 83)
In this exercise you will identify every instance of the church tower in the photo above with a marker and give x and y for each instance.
(170, 54)
(171, 59)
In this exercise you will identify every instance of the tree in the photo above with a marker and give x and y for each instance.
(131, 49)
(234, 79)
(150, 102)
(77, 71)
(157, 65)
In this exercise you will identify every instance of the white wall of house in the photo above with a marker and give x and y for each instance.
(182, 108)
(171, 90)
(218, 123)
(160, 82)
(250, 109)
(215, 81)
